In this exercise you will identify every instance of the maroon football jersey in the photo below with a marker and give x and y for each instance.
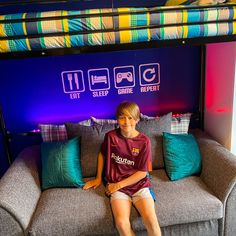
(125, 156)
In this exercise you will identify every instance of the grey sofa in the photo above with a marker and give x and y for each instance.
(197, 205)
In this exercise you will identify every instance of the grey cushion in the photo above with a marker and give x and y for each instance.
(153, 129)
(184, 201)
(73, 212)
(201, 228)
(91, 140)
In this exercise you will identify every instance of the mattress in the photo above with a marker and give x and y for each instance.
(73, 29)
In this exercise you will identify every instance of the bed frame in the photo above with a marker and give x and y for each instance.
(202, 41)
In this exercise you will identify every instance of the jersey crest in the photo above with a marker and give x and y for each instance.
(135, 151)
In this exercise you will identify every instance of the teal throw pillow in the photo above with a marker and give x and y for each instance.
(182, 156)
(61, 164)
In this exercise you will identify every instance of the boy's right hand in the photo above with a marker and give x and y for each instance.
(92, 183)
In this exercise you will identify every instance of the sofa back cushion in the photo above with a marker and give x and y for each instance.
(154, 128)
(91, 140)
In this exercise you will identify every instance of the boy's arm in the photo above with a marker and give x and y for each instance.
(134, 178)
(98, 180)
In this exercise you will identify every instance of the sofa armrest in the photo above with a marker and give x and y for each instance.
(219, 174)
(218, 166)
(19, 192)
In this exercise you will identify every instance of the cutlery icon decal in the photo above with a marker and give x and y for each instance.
(73, 80)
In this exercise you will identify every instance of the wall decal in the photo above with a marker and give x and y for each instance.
(148, 78)
(73, 83)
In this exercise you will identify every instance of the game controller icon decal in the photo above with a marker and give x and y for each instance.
(124, 76)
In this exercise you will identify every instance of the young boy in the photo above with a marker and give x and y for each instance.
(126, 153)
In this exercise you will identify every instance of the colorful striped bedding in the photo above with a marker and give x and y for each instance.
(66, 29)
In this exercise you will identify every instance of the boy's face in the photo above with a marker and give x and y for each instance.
(126, 122)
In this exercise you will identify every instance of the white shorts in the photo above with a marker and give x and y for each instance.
(141, 194)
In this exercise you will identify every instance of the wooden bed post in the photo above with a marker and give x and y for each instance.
(202, 86)
(6, 138)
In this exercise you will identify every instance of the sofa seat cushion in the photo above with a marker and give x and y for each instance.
(72, 211)
(184, 201)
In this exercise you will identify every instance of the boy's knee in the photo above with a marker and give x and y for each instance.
(151, 222)
(122, 223)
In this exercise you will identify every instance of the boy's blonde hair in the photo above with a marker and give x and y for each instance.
(128, 108)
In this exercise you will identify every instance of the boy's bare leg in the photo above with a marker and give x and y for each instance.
(146, 208)
(121, 212)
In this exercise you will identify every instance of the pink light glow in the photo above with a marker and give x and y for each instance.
(35, 131)
(224, 110)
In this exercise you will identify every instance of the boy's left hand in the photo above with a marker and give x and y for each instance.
(112, 187)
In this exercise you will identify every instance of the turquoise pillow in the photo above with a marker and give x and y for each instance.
(61, 164)
(182, 156)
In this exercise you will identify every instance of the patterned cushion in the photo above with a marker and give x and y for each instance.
(54, 133)
(180, 123)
